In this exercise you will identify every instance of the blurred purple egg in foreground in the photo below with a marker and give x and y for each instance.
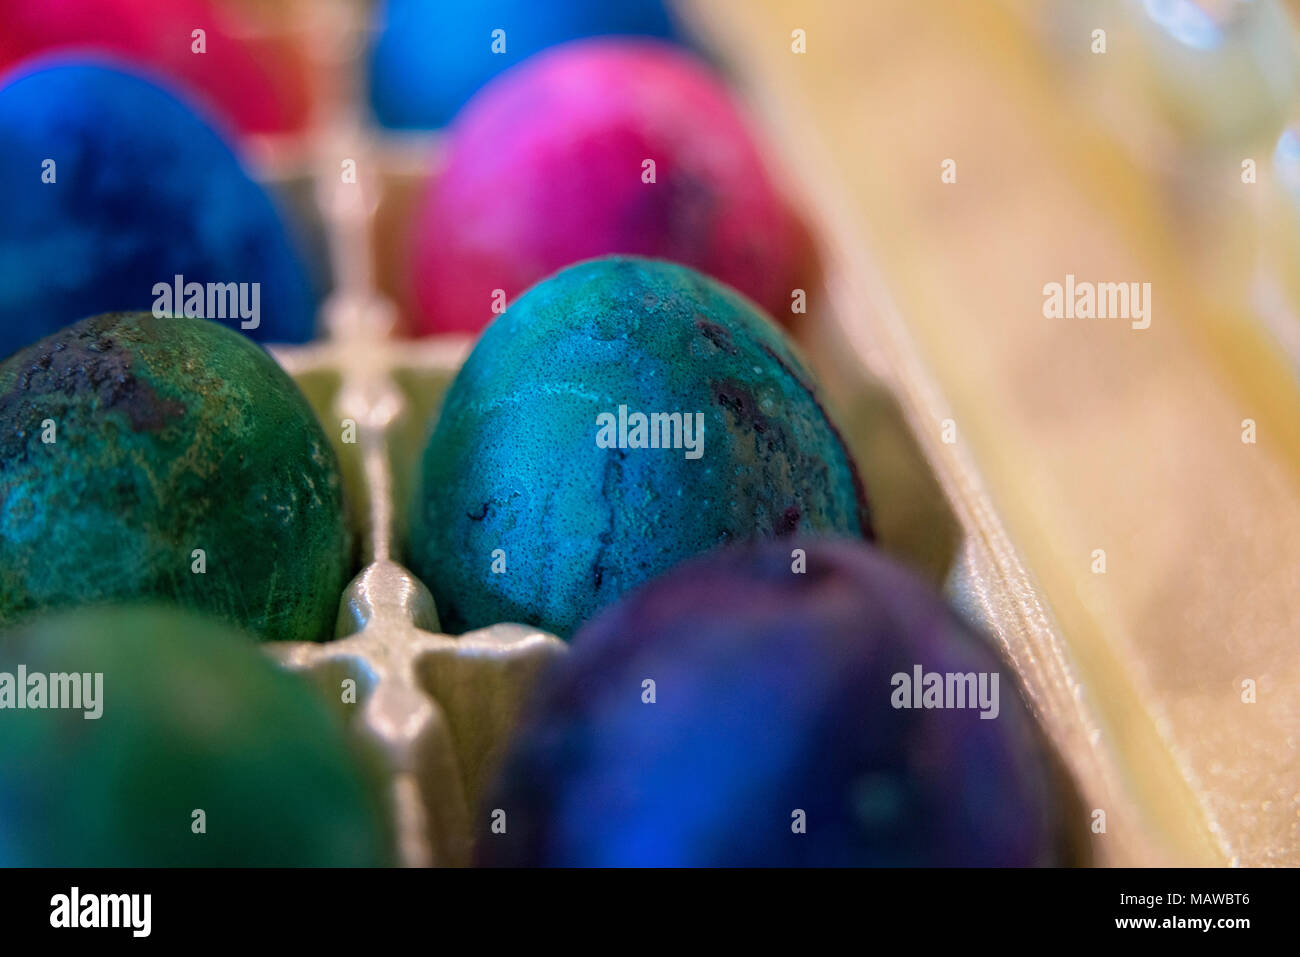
(789, 704)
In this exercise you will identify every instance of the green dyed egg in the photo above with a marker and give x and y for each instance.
(175, 743)
(167, 459)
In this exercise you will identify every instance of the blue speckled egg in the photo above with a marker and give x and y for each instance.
(110, 186)
(432, 55)
(621, 416)
(741, 712)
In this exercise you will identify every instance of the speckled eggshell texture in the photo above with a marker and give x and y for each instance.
(770, 734)
(128, 442)
(513, 477)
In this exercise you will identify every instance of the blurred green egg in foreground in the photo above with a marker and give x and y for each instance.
(152, 737)
(167, 459)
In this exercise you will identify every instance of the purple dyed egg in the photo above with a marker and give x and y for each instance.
(806, 703)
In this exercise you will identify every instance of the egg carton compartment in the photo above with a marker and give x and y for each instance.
(438, 708)
(441, 708)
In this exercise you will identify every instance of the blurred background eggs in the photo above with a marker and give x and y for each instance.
(256, 82)
(111, 185)
(598, 147)
(430, 56)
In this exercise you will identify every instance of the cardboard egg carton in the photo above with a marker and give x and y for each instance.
(441, 708)
(437, 707)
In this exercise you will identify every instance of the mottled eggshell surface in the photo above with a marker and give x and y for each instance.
(538, 501)
(593, 148)
(169, 460)
(111, 188)
(745, 710)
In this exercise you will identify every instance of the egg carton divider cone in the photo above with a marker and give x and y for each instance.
(437, 707)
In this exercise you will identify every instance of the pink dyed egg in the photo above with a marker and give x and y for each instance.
(258, 83)
(591, 148)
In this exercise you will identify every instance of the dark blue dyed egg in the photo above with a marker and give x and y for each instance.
(432, 55)
(110, 186)
(620, 417)
(774, 710)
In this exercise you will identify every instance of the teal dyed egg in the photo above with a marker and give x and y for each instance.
(621, 416)
(170, 460)
(165, 739)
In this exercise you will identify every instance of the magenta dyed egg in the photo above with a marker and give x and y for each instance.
(595, 147)
(255, 80)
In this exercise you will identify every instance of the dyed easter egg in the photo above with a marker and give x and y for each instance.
(623, 415)
(256, 82)
(430, 56)
(599, 147)
(171, 460)
(161, 714)
(749, 709)
(112, 189)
